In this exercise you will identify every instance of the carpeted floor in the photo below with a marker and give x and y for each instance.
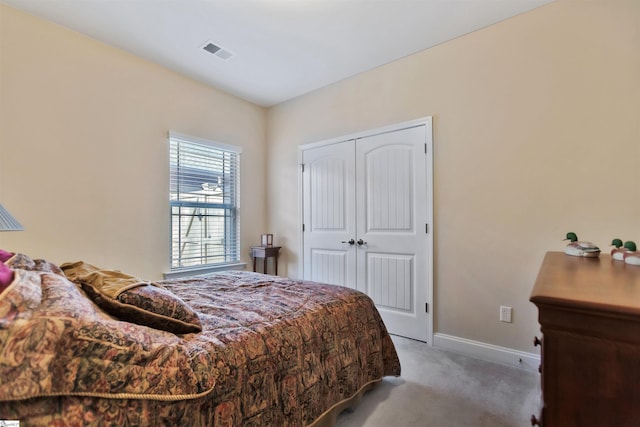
(444, 389)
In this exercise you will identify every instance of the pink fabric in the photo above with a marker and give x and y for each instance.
(6, 277)
(4, 255)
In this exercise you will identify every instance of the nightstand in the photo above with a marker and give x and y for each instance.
(265, 252)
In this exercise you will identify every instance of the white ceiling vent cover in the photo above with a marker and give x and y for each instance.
(217, 50)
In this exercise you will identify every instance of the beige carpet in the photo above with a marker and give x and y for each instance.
(444, 389)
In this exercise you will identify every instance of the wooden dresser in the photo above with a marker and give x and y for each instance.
(589, 313)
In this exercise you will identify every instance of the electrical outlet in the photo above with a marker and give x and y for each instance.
(505, 314)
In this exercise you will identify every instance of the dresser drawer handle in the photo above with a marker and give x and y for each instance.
(536, 341)
(535, 421)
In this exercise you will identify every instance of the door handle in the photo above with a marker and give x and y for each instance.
(361, 242)
(350, 242)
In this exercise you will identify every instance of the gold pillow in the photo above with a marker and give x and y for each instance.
(132, 299)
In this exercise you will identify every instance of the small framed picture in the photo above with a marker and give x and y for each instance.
(266, 240)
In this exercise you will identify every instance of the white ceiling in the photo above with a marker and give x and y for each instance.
(281, 48)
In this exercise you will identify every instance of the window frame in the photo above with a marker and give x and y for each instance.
(234, 206)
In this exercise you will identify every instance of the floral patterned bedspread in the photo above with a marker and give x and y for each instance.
(272, 352)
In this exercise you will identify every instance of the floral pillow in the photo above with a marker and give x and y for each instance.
(134, 300)
(10, 261)
(24, 262)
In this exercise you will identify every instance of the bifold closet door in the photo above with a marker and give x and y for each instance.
(365, 219)
(329, 214)
(392, 259)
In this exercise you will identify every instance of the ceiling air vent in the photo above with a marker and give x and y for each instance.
(217, 50)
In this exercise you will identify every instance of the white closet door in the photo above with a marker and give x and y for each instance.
(376, 190)
(393, 245)
(329, 214)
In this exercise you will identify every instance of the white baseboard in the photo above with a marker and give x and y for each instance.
(488, 352)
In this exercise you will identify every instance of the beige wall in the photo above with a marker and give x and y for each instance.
(84, 152)
(536, 133)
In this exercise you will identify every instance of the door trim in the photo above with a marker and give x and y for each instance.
(429, 159)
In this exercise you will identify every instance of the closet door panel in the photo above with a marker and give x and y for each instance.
(329, 214)
(388, 172)
(329, 266)
(390, 280)
(390, 221)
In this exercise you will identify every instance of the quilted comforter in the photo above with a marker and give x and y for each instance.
(272, 352)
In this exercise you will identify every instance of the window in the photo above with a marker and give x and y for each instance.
(203, 194)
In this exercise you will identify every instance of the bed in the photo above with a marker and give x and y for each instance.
(80, 345)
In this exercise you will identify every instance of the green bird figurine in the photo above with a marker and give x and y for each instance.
(620, 249)
(632, 256)
(578, 248)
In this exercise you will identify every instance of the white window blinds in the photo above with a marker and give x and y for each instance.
(204, 194)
